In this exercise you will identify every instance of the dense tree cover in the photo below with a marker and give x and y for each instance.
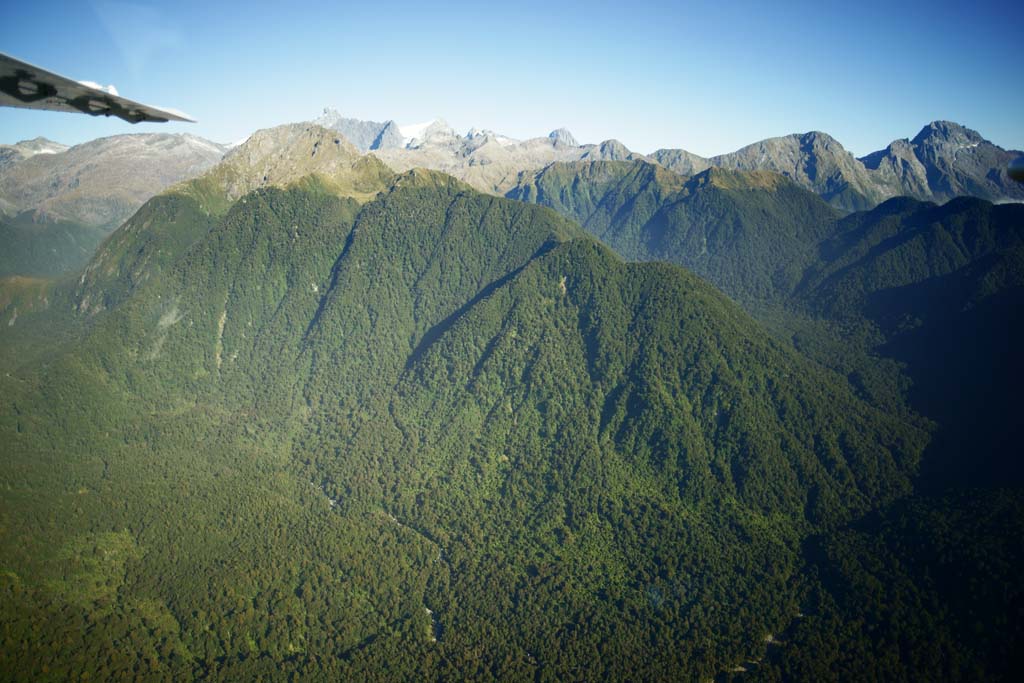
(749, 233)
(919, 307)
(441, 435)
(137, 251)
(445, 435)
(938, 289)
(929, 590)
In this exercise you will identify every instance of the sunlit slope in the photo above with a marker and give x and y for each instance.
(436, 435)
(749, 233)
(165, 228)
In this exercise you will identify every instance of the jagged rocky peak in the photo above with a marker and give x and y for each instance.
(901, 149)
(562, 136)
(365, 135)
(949, 132)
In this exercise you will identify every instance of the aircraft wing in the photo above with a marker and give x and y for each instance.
(25, 85)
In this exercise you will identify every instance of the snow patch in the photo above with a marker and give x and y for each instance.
(502, 140)
(414, 131)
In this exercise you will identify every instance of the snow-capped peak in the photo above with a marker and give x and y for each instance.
(414, 131)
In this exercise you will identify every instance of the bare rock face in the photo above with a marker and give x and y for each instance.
(610, 150)
(898, 166)
(102, 182)
(681, 161)
(491, 162)
(943, 161)
(285, 154)
(563, 137)
(365, 135)
(947, 160)
(816, 161)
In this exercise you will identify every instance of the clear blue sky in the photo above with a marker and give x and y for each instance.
(708, 77)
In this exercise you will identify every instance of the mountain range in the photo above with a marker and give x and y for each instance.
(943, 161)
(480, 433)
(58, 203)
(307, 416)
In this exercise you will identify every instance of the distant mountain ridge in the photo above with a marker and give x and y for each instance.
(104, 181)
(491, 162)
(748, 232)
(11, 154)
(57, 202)
(943, 161)
(486, 160)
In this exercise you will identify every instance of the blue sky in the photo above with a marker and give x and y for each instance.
(707, 77)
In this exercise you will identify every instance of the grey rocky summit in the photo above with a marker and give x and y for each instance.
(943, 161)
(947, 160)
(365, 135)
(814, 160)
(562, 136)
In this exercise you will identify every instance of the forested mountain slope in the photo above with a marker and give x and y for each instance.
(919, 307)
(434, 435)
(938, 288)
(935, 289)
(749, 233)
